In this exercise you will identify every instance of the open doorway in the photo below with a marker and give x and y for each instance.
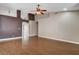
(25, 33)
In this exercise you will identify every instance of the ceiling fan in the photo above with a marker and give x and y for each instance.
(39, 11)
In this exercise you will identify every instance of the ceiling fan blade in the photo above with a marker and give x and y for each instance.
(42, 13)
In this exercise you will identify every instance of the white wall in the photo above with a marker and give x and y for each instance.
(13, 12)
(33, 28)
(60, 26)
(7, 11)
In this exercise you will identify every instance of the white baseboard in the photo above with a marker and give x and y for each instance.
(8, 39)
(60, 40)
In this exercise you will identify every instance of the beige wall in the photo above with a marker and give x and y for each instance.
(60, 26)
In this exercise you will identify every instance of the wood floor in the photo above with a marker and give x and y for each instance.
(38, 46)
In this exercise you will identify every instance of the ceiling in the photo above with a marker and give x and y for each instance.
(31, 6)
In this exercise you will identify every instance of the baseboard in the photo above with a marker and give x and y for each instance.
(8, 39)
(33, 35)
(60, 40)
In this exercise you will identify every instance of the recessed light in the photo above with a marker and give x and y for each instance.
(65, 9)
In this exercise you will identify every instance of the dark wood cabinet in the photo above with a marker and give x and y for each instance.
(31, 16)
